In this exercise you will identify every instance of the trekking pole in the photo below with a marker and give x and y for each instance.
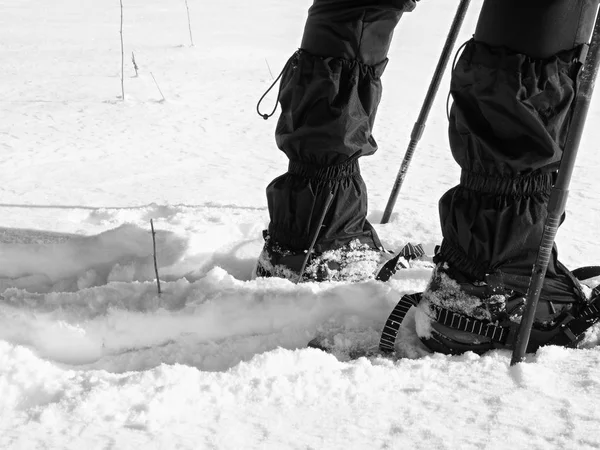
(311, 247)
(419, 126)
(558, 196)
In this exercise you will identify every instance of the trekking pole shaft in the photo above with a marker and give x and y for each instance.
(558, 197)
(419, 126)
(328, 201)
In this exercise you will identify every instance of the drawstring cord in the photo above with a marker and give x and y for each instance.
(456, 55)
(266, 116)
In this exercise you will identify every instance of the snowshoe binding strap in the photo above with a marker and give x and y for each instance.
(408, 252)
(392, 324)
(389, 268)
(572, 331)
(585, 273)
(412, 251)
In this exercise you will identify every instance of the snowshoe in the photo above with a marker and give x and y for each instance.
(454, 317)
(354, 262)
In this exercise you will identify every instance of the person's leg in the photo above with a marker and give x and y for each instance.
(513, 89)
(329, 94)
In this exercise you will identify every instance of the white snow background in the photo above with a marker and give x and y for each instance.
(91, 357)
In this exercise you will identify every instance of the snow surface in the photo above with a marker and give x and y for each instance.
(92, 357)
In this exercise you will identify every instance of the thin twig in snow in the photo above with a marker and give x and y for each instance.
(158, 87)
(189, 23)
(269, 67)
(135, 66)
(154, 256)
(122, 55)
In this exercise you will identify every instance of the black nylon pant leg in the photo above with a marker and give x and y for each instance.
(509, 122)
(329, 96)
(537, 28)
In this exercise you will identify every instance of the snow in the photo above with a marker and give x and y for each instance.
(92, 357)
